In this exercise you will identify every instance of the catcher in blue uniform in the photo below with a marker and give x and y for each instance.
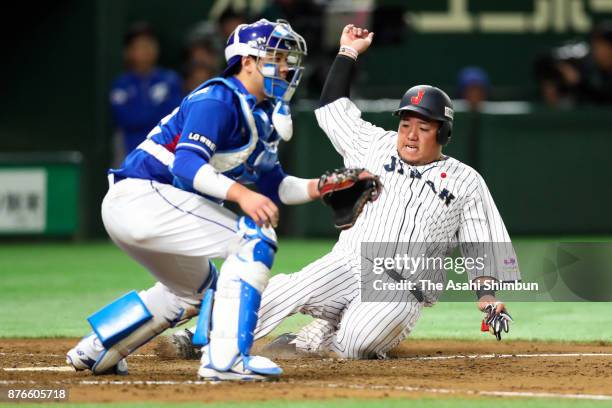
(164, 208)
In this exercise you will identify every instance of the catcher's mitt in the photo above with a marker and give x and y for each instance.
(347, 191)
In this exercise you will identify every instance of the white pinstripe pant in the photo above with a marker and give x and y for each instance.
(328, 290)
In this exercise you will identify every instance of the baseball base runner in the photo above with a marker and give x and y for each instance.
(428, 197)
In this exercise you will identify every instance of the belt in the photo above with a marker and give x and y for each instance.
(417, 293)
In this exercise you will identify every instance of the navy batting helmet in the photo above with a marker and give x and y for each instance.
(432, 103)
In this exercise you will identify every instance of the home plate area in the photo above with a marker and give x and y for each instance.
(417, 368)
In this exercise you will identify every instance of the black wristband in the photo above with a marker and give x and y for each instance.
(484, 292)
(338, 81)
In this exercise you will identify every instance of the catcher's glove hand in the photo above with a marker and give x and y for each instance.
(347, 191)
(495, 320)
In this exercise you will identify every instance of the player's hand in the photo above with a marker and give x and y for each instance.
(485, 301)
(260, 208)
(497, 318)
(356, 37)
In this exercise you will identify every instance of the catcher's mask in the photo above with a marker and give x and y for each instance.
(432, 103)
(266, 39)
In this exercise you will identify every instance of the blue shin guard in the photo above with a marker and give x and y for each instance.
(202, 330)
(250, 300)
(119, 319)
(114, 323)
(133, 320)
(244, 275)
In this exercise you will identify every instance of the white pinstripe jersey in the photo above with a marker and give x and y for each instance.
(442, 202)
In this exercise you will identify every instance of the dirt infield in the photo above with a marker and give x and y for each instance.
(467, 369)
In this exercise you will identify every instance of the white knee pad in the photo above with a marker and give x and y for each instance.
(243, 277)
(163, 309)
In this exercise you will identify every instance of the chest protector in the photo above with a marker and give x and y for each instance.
(259, 154)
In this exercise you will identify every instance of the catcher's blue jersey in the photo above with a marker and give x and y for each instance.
(218, 123)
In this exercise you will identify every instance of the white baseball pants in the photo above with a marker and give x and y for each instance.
(171, 232)
(328, 289)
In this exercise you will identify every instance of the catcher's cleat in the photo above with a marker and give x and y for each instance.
(80, 361)
(246, 368)
(181, 342)
(210, 374)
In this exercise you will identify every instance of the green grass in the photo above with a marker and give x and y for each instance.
(566, 322)
(351, 403)
(49, 289)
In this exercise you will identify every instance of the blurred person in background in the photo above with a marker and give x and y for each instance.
(473, 87)
(553, 90)
(228, 21)
(595, 80)
(144, 93)
(307, 16)
(578, 73)
(201, 62)
(205, 44)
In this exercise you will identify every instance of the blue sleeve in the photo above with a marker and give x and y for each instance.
(206, 122)
(268, 182)
(186, 165)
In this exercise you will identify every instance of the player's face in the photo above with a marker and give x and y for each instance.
(253, 72)
(278, 58)
(142, 53)
(416, 141)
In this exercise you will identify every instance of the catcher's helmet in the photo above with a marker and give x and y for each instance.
(432, 103)
(266, 38)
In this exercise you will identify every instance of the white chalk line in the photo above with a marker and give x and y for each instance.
(452, 357)
(63, 368)
(489, 356)
(63, 355)
(107, 382)
(475, 392)
(597, 397)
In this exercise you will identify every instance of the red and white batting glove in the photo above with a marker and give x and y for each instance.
(497, 319)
